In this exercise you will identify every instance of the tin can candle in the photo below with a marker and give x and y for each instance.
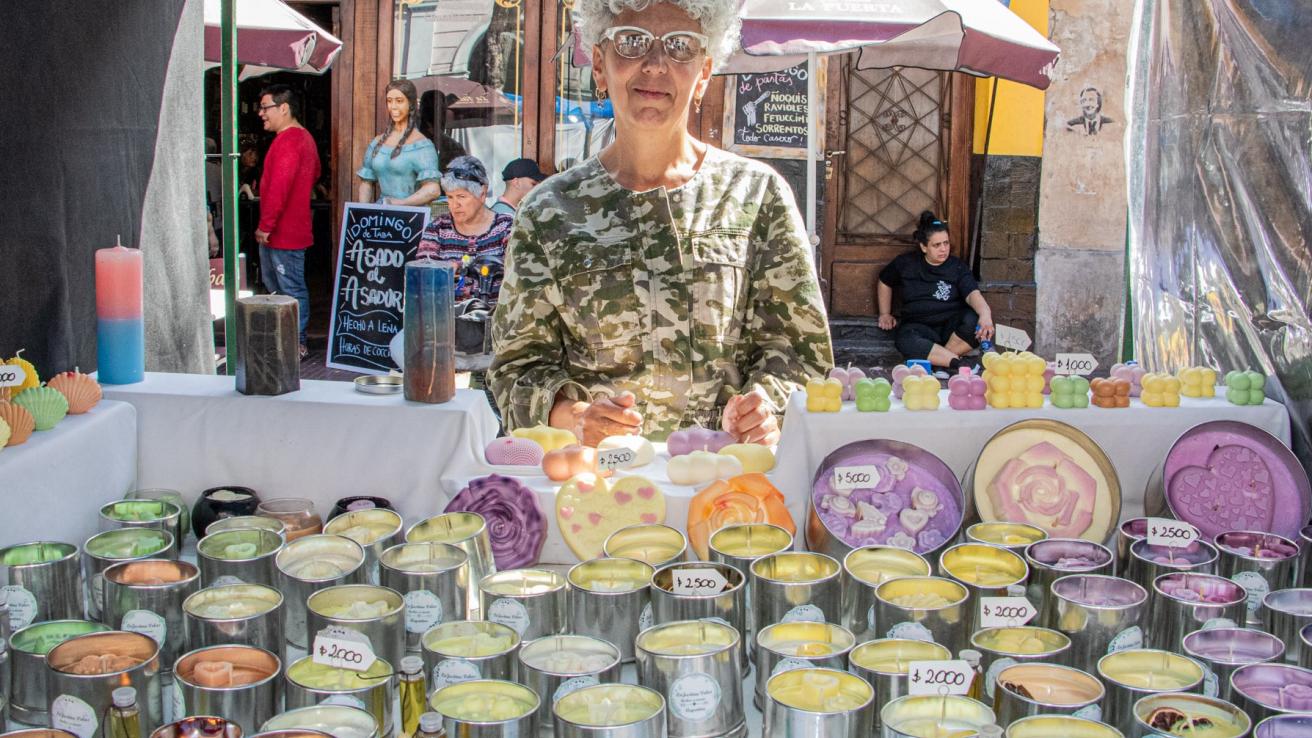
(1053, 559)
(168, 495)
(532, 601)
(38, 733)
(864, 569)
(695, 665)
(239, 556)
(467, 650)
(338, 721)
(985, 571)
(726, 606)
(1100, 614)
(377, 613)
(45, 582)
(738, 546)
(1222, 650)
(468, 532)
(1188, 715)
(819, 703)
(1066, 726)
(1259, 562)
(1305, 643)
(556, 665)
(933, 716)
(884, 664)
(792, 586)
(296, 513)
(146, 597)
(785, 646)
(1133, 674)
(199, 726)
(238, 682)
(157, 514)
(308, 684)
(487, 709)
(83, 672)
(1303, 569)
(610, 711)
(1183, 602)
(922, 609)
(293, 733)
(1025, 690)
(653, 543)
(103, 550)
(1013, 536)
(1147, 562)
(236, 614)
(308, 565)
(432, 577)
(1263, 690)
(246, 522)
(1285, 612)
(609, 599)
(1284, 726)
(1003, 647)
(376, 530)
(27, 652)
(1134, 529)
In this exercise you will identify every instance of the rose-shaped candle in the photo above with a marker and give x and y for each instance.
(516, 524)
(746, 498)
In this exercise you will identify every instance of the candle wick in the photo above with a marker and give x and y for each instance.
(118, 241)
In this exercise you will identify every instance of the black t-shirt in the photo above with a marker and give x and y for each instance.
(930, 294)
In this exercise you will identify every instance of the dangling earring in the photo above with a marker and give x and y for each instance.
(602, 94)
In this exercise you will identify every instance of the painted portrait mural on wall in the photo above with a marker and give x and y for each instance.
(1090, 121)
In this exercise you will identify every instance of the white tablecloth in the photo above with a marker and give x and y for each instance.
(53, 485)
(325, 441)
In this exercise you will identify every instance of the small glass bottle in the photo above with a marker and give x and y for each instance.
(296, 513)
(430, 726)
(973, 659)
(412, 694)
(124, 717)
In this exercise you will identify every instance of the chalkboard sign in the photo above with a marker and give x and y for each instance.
(765, 114)
(369, 291)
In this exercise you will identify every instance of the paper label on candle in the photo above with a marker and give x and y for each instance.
(1256, 586)
(1012, 338)
(1090, 712)
(510, 613)
(804, 614)
(346, 700)
(698, 582)
(423, 610)
(343, 648)
(995, 668)
(1209, 682)
(855, 477)
(226, 581)
(21, 604)
(939, 677)
(574, 685)
(1130, 638)
(1216, 623)
(910, 631)
(870, 619)
(179, 703)
(147, 623)
(1000, 612)
(98, 592)
(789, 664)
(694, 697)
(74, 715)
(1081, 364)
(645, 620)
(616, 458)
(11, 375)
(1170, 533)
(454, 671)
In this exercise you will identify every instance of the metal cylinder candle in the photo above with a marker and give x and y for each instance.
(923, 609)
(308, 684)
(158, 514)
(793, 586)
(293, 733)
(1259, 562)
(608, 599)
(1053, 559)
(1263, 690)
(653, 543)
(235, 614)
(738, 546)
(610, 711)
(244, 522)
(199, 726)
(1013, 536)
(1136, 673)
(146, 597)
(168, 495)
(864, 569)
(240, 556)
(785, 646)
(338, 721)
(1002, 647)
(726, 606)
(238, 682)
(466, 650)
(103, 550)
(555, 665)
(1066, 726)
(884, 663)
(468, 532)
(1222, 650)
(376, 530)
(27, 653)
(83, 672)
(985, 571)
(45, 582)
(1305, 647)
(120, 327)
(39, 733)
(1134, 529)
(1284, 726)
(933, 716)
(1183, 602)
(430, 328)
(819, 703)
(432, 578)
(532, 601)
(1147, 562)
(268, 336)
(487, 709)
(308, 565)
(1303, 569)
(1100, 614)
(1025, 690)
(377, 613)
(1284, 613)
(695, 665)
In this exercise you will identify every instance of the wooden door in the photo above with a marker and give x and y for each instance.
(899, 143)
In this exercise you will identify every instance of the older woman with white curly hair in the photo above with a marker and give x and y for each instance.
(664, 282)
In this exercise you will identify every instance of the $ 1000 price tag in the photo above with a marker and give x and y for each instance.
(698, 582)
(939, 677)
(10, 376)
(856, 477)
(344, 649)
(999, 612)
(1170, 533)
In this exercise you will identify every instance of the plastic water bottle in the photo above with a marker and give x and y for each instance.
(984, 343)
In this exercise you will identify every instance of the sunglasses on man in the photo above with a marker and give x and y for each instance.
(631, 42)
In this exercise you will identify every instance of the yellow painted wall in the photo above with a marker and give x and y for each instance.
(1018, 120)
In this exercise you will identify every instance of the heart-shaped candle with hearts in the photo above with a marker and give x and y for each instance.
(589, 509)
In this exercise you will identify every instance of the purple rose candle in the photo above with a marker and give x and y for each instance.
(1148, 562)
(1263, 690)
(1222, 650)
(516, 525)
(1055, 558)
(1258, 561)
(1284, 726)
(1100, 614)
(1182, 602)
(1286, 612)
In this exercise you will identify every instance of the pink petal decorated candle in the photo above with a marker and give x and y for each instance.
(516, 523)
(120, 325)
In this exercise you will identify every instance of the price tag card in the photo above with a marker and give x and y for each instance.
(939, 677)
(1012, 338)
(344, 649)
(1000, 612)
(616, 458)
(856, 477)
(1170, 533)
(1081, 364)
(11, 376)
(698, 582)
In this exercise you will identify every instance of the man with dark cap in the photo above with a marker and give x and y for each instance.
(520, 175)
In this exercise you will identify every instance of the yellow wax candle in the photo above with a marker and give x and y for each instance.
(318, 676)
(1005, 534)
(447, 528)
(522, 582)
(1026, 640)
(795, 566)
(611, 575)
(689, 638)
(1150, 669)
(921, 593)
(470, 639)
(1047, 726)
(894, 656)
(819, 690)
(232, 601)
(983, 565)
(654, 543)
(874, 565)
(750, 540)
(805, 639)
(606, 705)
(485, 701)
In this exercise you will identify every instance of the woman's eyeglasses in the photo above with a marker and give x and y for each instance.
(631, 42)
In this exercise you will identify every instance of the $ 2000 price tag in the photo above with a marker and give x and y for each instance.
(939, 677)
(856, 477)
(344, 649)
(698, 582)
(999, 612)
(1170, 533)
(11, 376)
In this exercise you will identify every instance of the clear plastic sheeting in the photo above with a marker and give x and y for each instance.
(1221, 192)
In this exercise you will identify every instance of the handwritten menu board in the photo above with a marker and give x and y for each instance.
(369, 290)
(765, 115)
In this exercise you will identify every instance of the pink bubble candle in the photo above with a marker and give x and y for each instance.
(966, 391)
(1132, 373)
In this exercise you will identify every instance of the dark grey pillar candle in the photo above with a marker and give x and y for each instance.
(268, 361)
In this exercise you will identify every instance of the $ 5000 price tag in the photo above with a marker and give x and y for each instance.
(1170, 533)
(856, 477)
(10, 376)
(343, 649)
(698, 582)
(939, 677)
(998, 612)
(615, 458)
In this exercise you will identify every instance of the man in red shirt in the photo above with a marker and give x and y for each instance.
(291, 167)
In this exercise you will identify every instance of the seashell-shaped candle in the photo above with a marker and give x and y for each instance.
(47, 406)
(21, 423)
(81, 391)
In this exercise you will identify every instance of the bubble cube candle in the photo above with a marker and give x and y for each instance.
(849, 377)
(1197, 381)
(903, 371)
(873, 395)
(1160, 390)
(1132, 373)
(920, 393)
(966, 391)
(1070, 392)
(1014, 380)
(1111, 392)
(1048, 374)
(1245, 388)
(824, 395)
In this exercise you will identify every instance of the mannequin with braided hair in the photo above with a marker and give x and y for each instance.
(400, 166)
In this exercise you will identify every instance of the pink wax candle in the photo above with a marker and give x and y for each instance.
(120, 327)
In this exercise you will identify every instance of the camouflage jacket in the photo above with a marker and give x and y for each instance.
(684, 297)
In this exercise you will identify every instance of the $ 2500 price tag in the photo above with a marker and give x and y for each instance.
(999, 612)
(615, 458)
(1170, 533)
(698, 582)
(939, 677)
(856, 477)
(344, 649)
(11, 376)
